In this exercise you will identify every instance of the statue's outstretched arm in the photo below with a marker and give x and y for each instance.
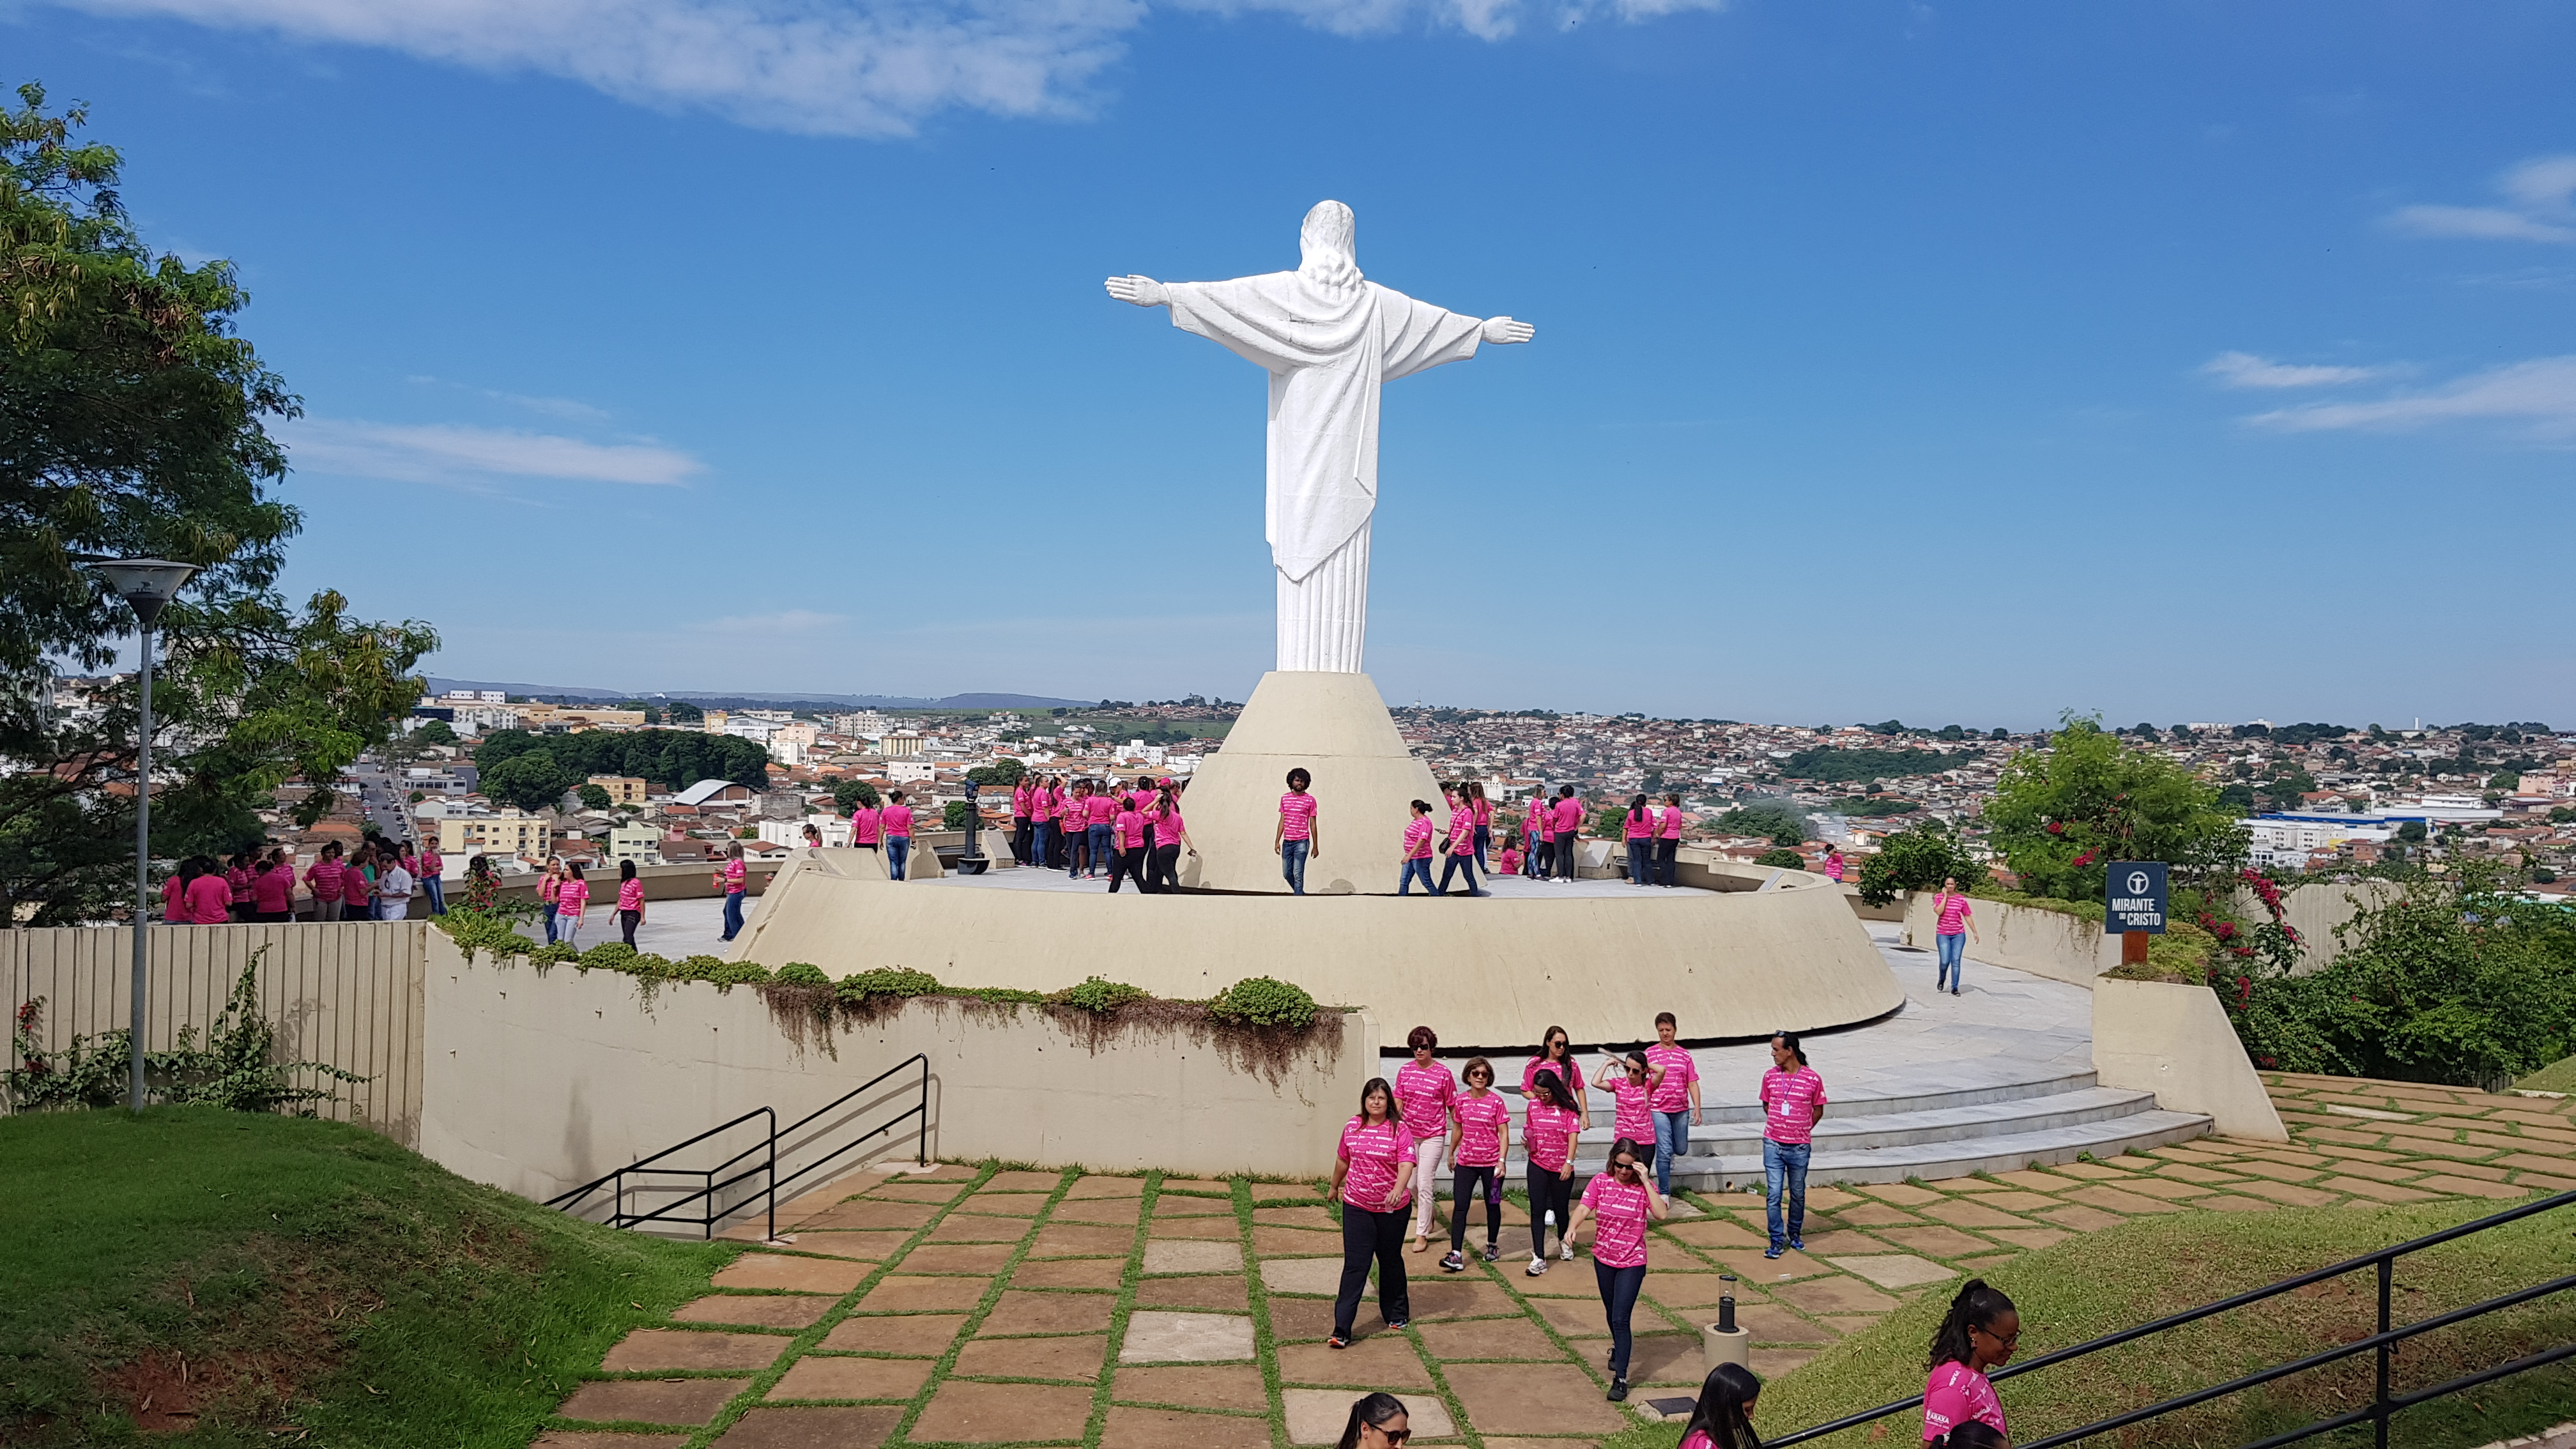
(1497, 330)
(1146, 292)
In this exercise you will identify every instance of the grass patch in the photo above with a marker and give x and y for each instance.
(238, 1272)
(2556, 1077)
(2150, 1267)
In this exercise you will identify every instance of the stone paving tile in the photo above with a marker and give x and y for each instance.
(919, 1335)
(1107, 1211)
(873, 1247)
(963, 1227)
(1896, 1270)
(2035, 1181)
(769, 1310)
(1665, 1358)
(1070, 1273)
(829, 1377)
(1987, 1211)
(1162, 1336)
(1873, 1215)
(1383, 1362)
(1296, 1243)
(1692, 1290)
(803, 1275)
(1077, 1357)
(1215, 1290)
(1753, 1268)
(1072, 1240)
(1295, 1320)
(1533, 1399)
(1574, 1317)
(980, 1259)
(1214, 1227)
(2120, 1200)
(1020, 1181)
(2370, 1188)
(812, 1428)
(1104, 1187)
(1304, 1275)
(1193, 1255)
(1487, 1338)
(1939, 1242)
(1131, 1428)
(1450, 1298)
(2472, 1187)
(871, 1213)
(2282, 1192)
(2082, 1219)
(2164, 1187)
(650, 1401)
(1026, 1312)
(976, 1413)
(915, 1192)
(1213, 1186)
(923, 1295)
(1298, 1217)
(1205, 1386)
(1838, 1294)
(1316, 1416)
(2031, 1238)
(648, 1349)
(1171, 1205)
(1004, 1204)
(2231, 1203)
(1715, 1233)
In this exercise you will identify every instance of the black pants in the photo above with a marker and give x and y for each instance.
(1618, 1299)
(1547, 1192)
(1666, 860)
(1365, 1236)
(1486, 1181)
(1541, 854)
(1125, 865)
(1455, 863)
(1020, 839)
(627, 921)
(1163, 871)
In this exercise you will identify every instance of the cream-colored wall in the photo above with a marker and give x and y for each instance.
(346, 994)
(2044, 943)
(538, 1083)
(1490, 973)
(2315, 910)
(1338, 729)
(2174, 1041)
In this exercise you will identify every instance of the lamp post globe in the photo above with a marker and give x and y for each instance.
(146, 585)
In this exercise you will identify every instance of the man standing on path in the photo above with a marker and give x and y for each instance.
(1677, 1089)
(1568, 820)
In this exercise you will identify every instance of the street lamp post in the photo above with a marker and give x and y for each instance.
(146, 584)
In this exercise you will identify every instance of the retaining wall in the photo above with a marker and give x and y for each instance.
(2044, 943)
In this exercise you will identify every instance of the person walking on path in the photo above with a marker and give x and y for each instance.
(896, 822)
(1373, 1177)
(1538, 834)
(1834, 863)
(1171, 837)
(1620, 1202)
(1668, 842)
(734, 880)
(1955, 922)
(571, 899)
(1676, 1092)
(1631, 1080)
(1483, 810)
(1723, 1417)
(323, 879)
(1423, 1090)
(549, 891)
(630, 900)
(433, 870)
(1480, 1134)
(1793, 1102)
(1417, 852)
(1548, 1130)
(1128, 848)
(1460, 849)
(1299, 836)
(1556, 1053)
(1979, 1333)
(1640, 832)
(1567, 816)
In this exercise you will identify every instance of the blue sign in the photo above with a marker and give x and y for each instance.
(2133, 899)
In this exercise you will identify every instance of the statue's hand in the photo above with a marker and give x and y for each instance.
(1499, 330)
(1142, 291)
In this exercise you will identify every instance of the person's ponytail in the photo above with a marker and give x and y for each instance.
(1975, 1306)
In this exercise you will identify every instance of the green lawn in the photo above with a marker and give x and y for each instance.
(269, 1271)
(2150, 1267)
(2556, 1077)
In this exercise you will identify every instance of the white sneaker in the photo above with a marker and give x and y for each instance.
(1566, 1246)
(1537, 1266)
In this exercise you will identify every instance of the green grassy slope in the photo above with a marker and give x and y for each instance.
(2150, 1267)
(268, 1271)
(2556, 1077)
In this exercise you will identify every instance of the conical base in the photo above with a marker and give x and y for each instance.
(1337, 728)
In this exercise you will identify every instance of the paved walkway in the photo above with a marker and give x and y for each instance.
(976, 1306)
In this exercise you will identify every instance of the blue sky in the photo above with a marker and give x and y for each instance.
(1953, 363)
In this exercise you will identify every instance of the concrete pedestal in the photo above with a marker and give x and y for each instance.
(1337, 728)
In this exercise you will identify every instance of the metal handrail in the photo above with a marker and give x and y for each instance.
(766, 1149)
(2384, 1341)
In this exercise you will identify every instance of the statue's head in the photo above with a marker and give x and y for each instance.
(1328, 244)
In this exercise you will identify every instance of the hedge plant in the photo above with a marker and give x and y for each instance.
(1264, 1001)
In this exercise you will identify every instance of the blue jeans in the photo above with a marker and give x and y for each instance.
(1952, 970)
(733, 914)
(1041, 843)
(1412, 868)
(437, 894)
(1618, 1299)
(1785, 1160)
(1098, 838)
(550, 922)
(1484, 848)
(1641, 860)
(898, 850)
(1292, 863)
(1672, 1139)
(1458, 862)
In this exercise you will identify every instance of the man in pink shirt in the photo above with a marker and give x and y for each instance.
(1793, 1102)
(1676, 1091)
(1566, 819)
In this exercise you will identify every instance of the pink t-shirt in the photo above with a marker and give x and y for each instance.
(1296, 816)
(896, 821)
(1480, 1127)
(237, 880)
(1788, 1100)
(1020, 798)
(574, 898)
(1423, 1094)
(737, 878)
(210, 900)
(1540, 824)
(1168, 826)
(1567, 816)
(1548, 1133)
(1956, 1393)
(1462, 833)
(1417, 838)
(1630, 1118)
(1955, 912)
(863, 825)
(270, 889)
(549, 888)
(1640, 823)
(1508, 863)
(174, 904)
(1834, 866)
(1672, 1094)
(354, 886)
(1672, 823)
(1381, 1159)
(324, 878)
(630, 894)
(1697, 1439)
(1619, 1240)
(1567, 1071)
(1130, 830)
(1099, 809)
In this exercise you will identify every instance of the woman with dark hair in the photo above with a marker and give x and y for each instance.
(483, 892)
(1556, 1053)
(1423, 1089)
(894, 822)
(1483, 810)
(1297, 838)
(1723, 1418)
(272, 888)
(630, 900)
(1023, 794)
(1480, 1135)
(1130, 842)
(1377, 1422)
(1640, 833)
(1538, 836)
(1548, 1130)
(1979, 1333)
(1630, 1081)
(1417, 852)
(1971, 1435)
(572, 900)
(1373, 1177)
(1668, 840)
(1619, 1202)
(1512, 859)
(1460, 847)
(237, 879)
(1171, 835)
(1793, 1102)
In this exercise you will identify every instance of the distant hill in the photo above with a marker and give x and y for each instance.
(440, 685)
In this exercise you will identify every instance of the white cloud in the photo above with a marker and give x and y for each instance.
(2540, 394)
(820, 67)
(2244, 369)
(2542, 193)
(447, 453)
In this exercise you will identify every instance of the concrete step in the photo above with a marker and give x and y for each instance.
(1928, 1101)
(1935, 1160)
(1911, 1128)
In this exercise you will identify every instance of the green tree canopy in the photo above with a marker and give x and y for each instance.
(1916, 860)
(594, 797)
(1778, 819)
(2060, 818)
(849, 795)
(435, 732)
(132, 423)
(531, 781)
(1005, 772)
(673, 759)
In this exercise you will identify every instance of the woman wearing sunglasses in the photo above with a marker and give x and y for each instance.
(1980, 1332)
(1373, 1176)
(1548, 1130)
(1377, 1422)
(1480, 1134)
(1620, 1202)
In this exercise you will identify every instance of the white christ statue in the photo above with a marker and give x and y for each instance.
(1328, 338)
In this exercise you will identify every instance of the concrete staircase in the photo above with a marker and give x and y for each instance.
(1996, 1128)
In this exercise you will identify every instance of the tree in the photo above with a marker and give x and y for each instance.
(131, 423)
(1916, 860)
(683, 712)
(1005, 772)
(1783, 857)
(529, 780)
(955, 814)
(593, 797)
(676, 759)
(2060, 818)
(849, 795)
(434, 732)
(1777, 819)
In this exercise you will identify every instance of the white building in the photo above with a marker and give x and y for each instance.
(641, 844)
(791, 833)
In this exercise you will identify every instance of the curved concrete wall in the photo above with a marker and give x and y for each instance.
(1337, 727)
(1491, 973)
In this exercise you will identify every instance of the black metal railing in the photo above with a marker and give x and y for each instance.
(709, 1204)
(2383, 1343)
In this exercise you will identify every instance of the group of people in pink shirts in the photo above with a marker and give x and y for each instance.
(376, 883)
(1094, 828)
(886, 826)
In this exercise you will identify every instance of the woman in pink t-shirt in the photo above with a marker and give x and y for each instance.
(1417, 852)
(1668, 841)
(1548, 1130)
(1298, 838)
(1954, 920)
(1373, 1178)
(1979, 1333)
(550, 894)
(1538, 835)
(1555, 1051)
(1023, 802)
(1510, 860)
(1423, 1090)
(1723, 1417)
(1459, 849)
(1631, 1080)
(272, 890)
(1480, 1134)
(630, 900)
(895, 821)
(1620, 1203)
(1171, 836)
(1483, 810)
(1128, 834)
(571, 899)
(1639, 836)
(1565, 818)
